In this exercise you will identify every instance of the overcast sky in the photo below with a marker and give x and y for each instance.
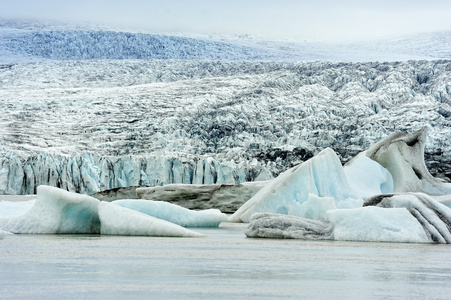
(278, 19)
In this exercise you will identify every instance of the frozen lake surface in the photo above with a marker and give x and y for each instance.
(224, 265)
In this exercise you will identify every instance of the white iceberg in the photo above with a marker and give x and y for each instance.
(117, 220)
(403, 155)
(174, 213)
(434, 216)
(375, 224)
(57, 211)
(406, 218)
(322, 175)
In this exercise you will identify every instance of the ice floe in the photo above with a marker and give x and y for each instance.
(322, 175)
(57, 211)
(174, 213)
(117, 220)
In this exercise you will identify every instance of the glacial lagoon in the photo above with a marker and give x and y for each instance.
(223, 265)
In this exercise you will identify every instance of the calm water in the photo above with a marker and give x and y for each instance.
(225, 265)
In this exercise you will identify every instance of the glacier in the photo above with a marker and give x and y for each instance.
(163, 122)
(174, 213)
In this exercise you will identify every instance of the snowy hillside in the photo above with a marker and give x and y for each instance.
(88, 125)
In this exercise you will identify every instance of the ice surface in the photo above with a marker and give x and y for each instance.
(322, 176)
(174, 213)
(117, 220)
(367, 177)
(403, 155)
(57, 211)
(432, 215)
(375, 224)
(12, 209)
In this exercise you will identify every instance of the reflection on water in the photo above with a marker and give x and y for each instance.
(225, 264)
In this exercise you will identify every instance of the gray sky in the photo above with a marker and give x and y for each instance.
(278, 19)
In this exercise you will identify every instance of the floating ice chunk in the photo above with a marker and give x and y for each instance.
(175, 214)
(375, 224)
(117, 220)
(432, 215)
(264, 225)
(412, 218)
(57, 211)
(321, 175)
(367, 177)
(403, 155)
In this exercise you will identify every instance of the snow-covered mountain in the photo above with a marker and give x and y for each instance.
(88, 125)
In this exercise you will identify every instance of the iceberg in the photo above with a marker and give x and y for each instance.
(290, 193)
(403, 155)
(117, 220)
(375, 224)
(174, 213)
(57, 211)
(403, 218)
(11, 209)
(434, 217)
